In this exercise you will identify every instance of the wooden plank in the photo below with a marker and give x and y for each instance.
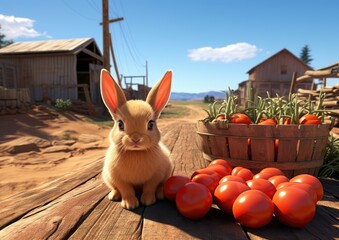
(186, 157)
(110, 221)
(170, 134)
(163, 221)
(18, 205)
(57, 219)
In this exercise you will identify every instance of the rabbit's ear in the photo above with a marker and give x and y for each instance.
(111, 93)
(160, 93)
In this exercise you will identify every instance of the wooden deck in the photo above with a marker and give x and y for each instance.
(76, 207)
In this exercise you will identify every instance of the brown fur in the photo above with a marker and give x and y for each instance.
(136, 157)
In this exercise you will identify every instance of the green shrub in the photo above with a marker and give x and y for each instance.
(63, 104)
(330, 167)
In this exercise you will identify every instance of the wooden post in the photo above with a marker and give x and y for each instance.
(294, 78)
(324, 82)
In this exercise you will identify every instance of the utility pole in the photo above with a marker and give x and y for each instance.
(105, 31)
(107, 39)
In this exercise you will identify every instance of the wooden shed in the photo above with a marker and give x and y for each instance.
(52, 69)
(273, 75)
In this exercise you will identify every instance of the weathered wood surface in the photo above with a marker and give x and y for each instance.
(76, 207)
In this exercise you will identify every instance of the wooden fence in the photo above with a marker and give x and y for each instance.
(12, 100)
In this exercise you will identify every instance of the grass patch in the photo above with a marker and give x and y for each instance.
(198, 103)
(174, 111)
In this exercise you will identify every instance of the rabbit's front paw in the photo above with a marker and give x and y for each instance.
(160, 193)
(114, 195)
(148, 198)
(130, 202)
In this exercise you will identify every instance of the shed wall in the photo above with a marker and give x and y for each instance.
(47, 77)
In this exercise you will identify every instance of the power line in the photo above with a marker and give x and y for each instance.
(94, 6)
(129, 48)
(77, 12)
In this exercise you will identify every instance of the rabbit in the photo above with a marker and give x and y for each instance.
(136, 158)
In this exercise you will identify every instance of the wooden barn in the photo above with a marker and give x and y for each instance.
(273, 75)
(52, 69)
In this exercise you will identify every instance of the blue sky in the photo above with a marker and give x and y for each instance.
(209, 45)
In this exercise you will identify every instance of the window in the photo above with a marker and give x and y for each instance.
(7, 76)
(283, 69)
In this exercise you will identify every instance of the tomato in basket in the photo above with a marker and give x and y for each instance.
(240, 118)
(309, 119)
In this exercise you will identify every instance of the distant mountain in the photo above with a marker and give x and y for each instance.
(196, 96)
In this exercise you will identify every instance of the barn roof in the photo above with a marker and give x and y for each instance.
(49, 46)
(281, 51)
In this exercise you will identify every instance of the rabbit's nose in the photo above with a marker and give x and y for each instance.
(136, 138)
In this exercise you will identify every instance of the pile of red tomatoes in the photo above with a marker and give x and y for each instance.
(252, 199)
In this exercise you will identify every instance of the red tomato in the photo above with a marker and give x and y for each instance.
(173, 184)
(276, 180)
(307, 187)
(245, 173)
(293, 206)
(253, 209)
(219, 169)
(262, 175)
(269, 121)
(231, 178)
(236, 170)
(207, 171)
(273, 171)
(309, 119)
(222, 162)
(287, 121)
(313, 181)
(226, 193)
(220, 117)
(240, 118)
(285, 184)
(206, 180)
(262, 185)
(193, 200)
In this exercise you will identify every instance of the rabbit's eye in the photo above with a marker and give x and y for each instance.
(150, 125)
(121, 125)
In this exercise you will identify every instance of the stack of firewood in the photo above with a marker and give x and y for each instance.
(331, 100)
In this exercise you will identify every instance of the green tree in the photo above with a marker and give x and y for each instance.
(3, 42)
(305, 55)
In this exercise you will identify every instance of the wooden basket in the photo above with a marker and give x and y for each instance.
(295, 149)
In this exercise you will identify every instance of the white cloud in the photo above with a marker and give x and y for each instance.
(227, 54)
(16, 27)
